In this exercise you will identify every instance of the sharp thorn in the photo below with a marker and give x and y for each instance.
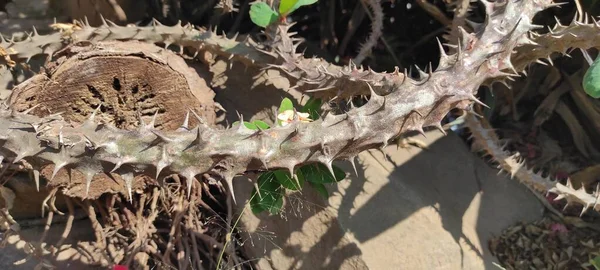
(36, 178)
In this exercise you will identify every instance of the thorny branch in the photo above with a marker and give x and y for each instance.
(499, 48)
(376, 31)
(314, 76)
(402, 104)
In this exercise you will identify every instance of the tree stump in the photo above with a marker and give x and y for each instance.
(125, 80)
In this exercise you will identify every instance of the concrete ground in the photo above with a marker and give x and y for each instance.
(417, 209)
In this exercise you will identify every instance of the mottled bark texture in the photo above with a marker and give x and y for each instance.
(124, 82)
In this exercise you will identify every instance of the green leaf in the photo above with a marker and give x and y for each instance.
(261, 124)
(286, 104)
(591, 80)
(276, 206)
(254, 125)
(286, 5)
(301, 3)
(247, 124)
(250, 125)
(284, 178)
(269, 196)
(312, 107)
(596, 262)
(262, 14)
(321, 189)
(318, 173)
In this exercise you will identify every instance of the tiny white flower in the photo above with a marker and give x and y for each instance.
(287, 117)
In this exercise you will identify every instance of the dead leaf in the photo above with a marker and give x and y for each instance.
(6, 54)
(589, 243)
(586, 176)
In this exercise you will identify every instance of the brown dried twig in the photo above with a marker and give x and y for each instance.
(68, 225)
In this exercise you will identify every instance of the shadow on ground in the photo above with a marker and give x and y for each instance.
(411, 209)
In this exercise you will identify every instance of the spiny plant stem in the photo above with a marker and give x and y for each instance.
(398, 104)
(514, 164)
(376, 30)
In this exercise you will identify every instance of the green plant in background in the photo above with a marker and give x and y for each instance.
(263, 15)
(591, 79)
(270, 187)
(595, 262)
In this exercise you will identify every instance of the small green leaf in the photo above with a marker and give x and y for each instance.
(247, 124)
(320, 188)
(301, 3)
(312, 107)
(269, 196)
(286, 104)
(596, 262)
(339, 173)
(286, 5)
(276, 206)
(318, 173)
(255, 203)
(262, 14)
(250, 125)
(284, 178)
(591, 80)
(261, 124)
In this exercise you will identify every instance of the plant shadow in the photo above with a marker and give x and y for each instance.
(409, 209)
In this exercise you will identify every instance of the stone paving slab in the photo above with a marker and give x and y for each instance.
(416, 209)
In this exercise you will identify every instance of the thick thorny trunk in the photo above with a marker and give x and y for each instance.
(398, 104)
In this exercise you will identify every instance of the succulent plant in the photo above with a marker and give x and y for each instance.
(500, 48)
